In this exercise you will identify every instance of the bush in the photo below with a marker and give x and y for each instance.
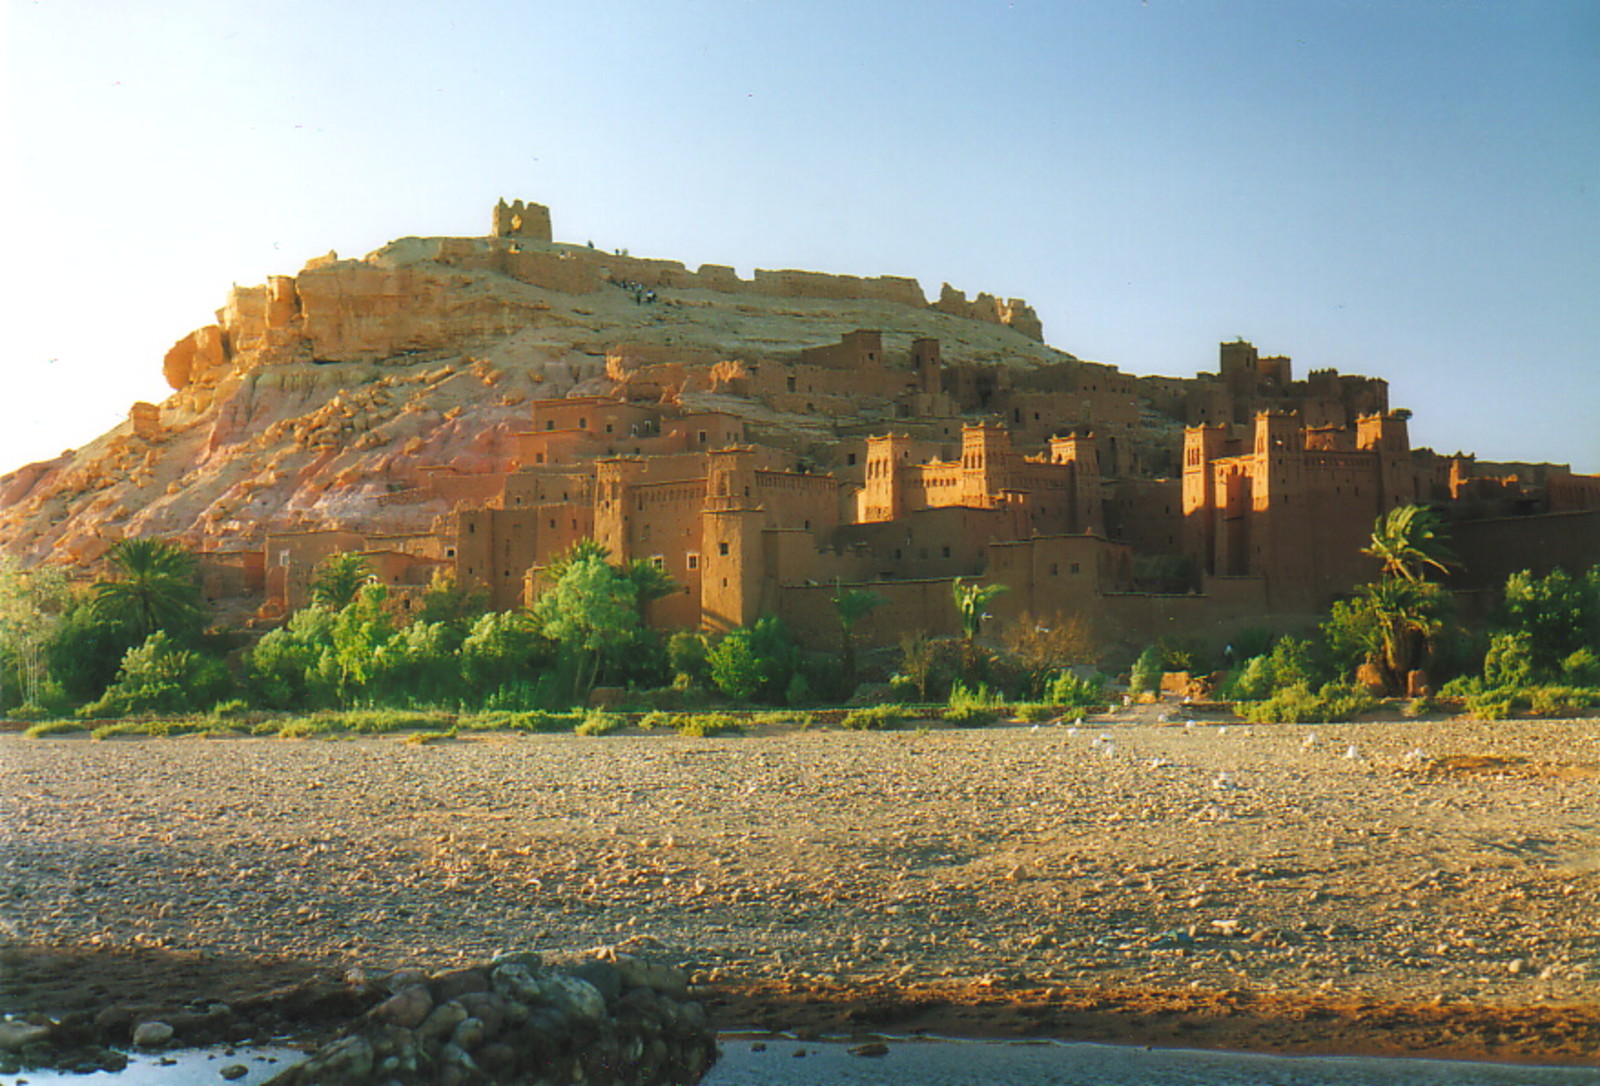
(532, 721)
(111, 731)
(383, 721)
(874, 718)
(599, 722)
(298, 729)
(1509, 662)
(1290, 662)
(233, 707)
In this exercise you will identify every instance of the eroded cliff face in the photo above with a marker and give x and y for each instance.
(338, 397)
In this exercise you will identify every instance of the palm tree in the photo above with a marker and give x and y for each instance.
(650, 582)
(1407, 541)
(338, 578)
(972, 601)
(584, 548)
(851, 605)
(1408, 615)
(153, 588)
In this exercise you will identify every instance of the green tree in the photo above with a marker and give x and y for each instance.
(33, 605)
(153, 587)
(284, 670)
(589, 611)
(1407, 540)
(1558, 613)
(850, 606)
(338, 578)
(446, 601)
(355, 660)
(735, 668)
(502, 649)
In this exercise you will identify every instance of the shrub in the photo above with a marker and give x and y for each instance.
(1070, 691)
(1509, 662)
(874, 718)
(1462, 686)
(599, 722)
(1418, 707)
(52, 727)
(298, 729)
(1145, 678)
(655, 719)
(231, 708)
(981, 698)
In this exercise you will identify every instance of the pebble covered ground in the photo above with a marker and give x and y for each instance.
(1447, 862)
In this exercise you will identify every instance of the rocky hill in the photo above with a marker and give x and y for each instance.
(316, 395)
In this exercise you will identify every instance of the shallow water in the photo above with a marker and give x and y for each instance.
(947, 1063)
(933, 1063)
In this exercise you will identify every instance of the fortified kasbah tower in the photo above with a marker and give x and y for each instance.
(477, 405)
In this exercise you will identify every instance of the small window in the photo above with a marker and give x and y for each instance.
(850, 458)
(1074, 567)
(658, 561)
(552, 522)
(549, 424)
(944, 552)
(1055, 569)
(583, 423)
(722, 548)
(702, 437)
(450, 552)
(692, 560)
(608, 427)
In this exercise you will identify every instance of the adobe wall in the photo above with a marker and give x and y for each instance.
(290, 558)
(909, 606)
(1491, 550)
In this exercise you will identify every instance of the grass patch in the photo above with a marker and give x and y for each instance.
(778, 718)
(704, 725)
(969, 716)
(112, 731)
(52, 727)
(874, 718)
(534, 721)
(600, 722)
(423, 739)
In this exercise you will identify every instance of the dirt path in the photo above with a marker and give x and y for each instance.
(1364, 887)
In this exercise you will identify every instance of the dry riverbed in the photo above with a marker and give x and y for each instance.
(1377, 887)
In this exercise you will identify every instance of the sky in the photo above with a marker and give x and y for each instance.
(1403, 188)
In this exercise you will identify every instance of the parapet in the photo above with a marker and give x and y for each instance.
(1013, 313)
(519, 220)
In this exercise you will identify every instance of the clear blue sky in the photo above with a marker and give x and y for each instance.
(1408, 189)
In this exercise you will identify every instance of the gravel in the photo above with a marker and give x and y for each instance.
(1453, 860)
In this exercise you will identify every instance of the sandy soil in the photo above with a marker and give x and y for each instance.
(1430, 888)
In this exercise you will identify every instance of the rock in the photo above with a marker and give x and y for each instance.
(406, 1008)
(13, 1035)
(871, 1049)
(233, 1071)
(150, 1034)
(442, 1022)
